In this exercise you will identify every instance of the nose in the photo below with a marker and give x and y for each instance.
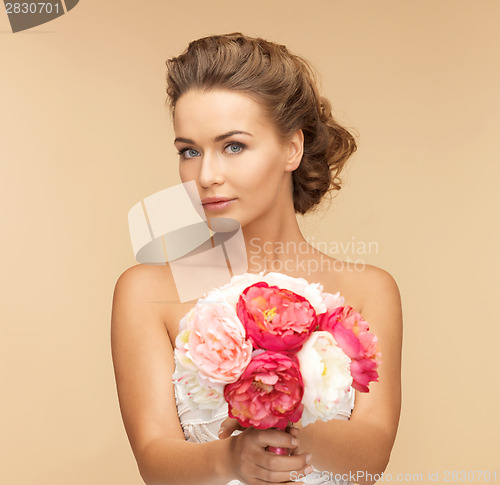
(211, 170)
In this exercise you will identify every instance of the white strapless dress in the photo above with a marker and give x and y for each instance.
(200, 426)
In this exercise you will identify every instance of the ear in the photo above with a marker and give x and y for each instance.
(295, 151)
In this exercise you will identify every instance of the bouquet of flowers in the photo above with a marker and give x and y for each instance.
(276, 349)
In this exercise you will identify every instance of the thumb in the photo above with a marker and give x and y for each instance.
(228, 426)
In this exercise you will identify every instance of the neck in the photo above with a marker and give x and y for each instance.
(273, 241)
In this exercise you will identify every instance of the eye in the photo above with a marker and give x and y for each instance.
(182, 151)
(239, 147)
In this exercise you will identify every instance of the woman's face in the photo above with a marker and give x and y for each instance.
(228, 146)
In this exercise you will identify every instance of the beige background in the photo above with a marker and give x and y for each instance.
(84, 135)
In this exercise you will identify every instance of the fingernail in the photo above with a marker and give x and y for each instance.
(309, 469)
(308, 458)
(295, 442)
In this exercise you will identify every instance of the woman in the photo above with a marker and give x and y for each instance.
(252, 129)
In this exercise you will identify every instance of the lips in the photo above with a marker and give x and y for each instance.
(215, 199)
(216, 203)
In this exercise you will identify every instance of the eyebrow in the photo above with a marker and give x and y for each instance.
(217, 138)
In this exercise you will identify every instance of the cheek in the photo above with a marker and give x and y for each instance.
(186, 172)
(263, 173)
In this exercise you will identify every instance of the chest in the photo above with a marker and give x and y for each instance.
(347, 284)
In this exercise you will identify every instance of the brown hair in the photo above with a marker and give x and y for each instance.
(285, 86)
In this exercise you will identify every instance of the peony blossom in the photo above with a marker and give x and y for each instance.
(274, 318)
(327, 377)
(269, 393)
(231, 292)
(363, 372)
(312, 292)
(275, 350)
(352, 334)
(332, 301)
(187, 377)
(212, 339)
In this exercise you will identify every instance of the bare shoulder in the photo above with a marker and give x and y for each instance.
(151, 289)
(140, 295)
(378, 288)
(151, 285)
(373, 292)
(365, 286)
(378, 299)
(149, 281)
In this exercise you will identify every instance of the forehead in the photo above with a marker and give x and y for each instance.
(216, 112)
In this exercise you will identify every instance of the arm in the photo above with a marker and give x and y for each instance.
(143, 360)
(364, 443)
(143, 363)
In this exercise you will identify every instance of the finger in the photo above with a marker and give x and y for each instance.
(229, 422)
(295, 432)
(264, 476)
(264, 482)
(257, 481)
(278, 438)
(228, 426)
(269, 471)
(283, 463)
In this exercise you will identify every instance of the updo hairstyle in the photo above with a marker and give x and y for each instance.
(285, 85)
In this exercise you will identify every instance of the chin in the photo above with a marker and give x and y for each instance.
(210, 216)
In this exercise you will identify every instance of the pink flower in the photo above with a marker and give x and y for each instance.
(363, 372)
(214, 341)
(351, 332)
(269, 392)
(275, 318)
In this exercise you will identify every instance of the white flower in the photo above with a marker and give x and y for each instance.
(327, 378)
(205, 396)
(333, 301)
(230, 292)
(312, 292)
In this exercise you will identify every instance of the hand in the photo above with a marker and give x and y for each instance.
(228, 426)
(253, 465)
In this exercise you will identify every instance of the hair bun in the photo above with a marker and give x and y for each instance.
(285, 86)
